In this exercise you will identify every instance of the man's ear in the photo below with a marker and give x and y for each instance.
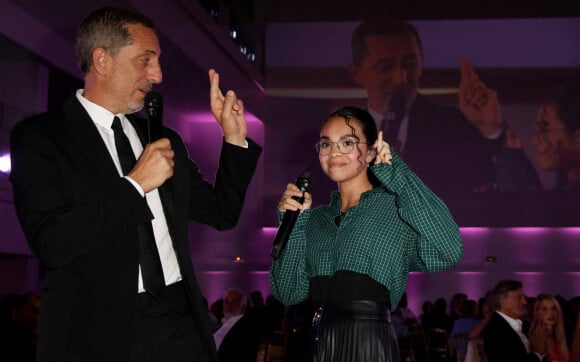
(100, 60)
(353, 70)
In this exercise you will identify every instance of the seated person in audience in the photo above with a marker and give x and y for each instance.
(214, 323)
(440, 317)
(404, 321)
(485, 315)
(456, 307)
(548, 324)
(19, 327)
(406, 315)
(426, 316)
(557, 137)
(237, 339)
(217, 309)
(503, 337)
(462, 326)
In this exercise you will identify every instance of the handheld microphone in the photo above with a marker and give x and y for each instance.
(397, 107)
(304, 183)
(394, 118)
(154, 107)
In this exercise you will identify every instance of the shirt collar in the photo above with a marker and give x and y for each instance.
(232, 320)
(378, 117)
(516, 324)
(100, 115)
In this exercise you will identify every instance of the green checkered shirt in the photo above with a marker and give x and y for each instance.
(395, 229)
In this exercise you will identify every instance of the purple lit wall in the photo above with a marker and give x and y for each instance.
(546, 260)
(214, 252)
(520, 43)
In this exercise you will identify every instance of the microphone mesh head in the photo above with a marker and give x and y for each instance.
(397, 106)
(153, 104)
(304, 181)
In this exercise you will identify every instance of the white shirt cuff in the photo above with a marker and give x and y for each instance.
(136, 185)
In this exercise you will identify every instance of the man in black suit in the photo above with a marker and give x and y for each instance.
(451, 149)
(238, 337)
(88, 210)
(504, 337)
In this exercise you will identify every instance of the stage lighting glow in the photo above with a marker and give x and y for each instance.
(5, 165)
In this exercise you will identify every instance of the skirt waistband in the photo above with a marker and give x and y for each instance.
(356, 309)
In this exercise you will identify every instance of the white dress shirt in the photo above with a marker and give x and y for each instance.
(103, 120)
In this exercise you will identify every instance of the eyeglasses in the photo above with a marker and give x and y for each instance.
(324, 148)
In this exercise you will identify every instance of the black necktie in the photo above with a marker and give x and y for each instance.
(153, 280)
(390, 126)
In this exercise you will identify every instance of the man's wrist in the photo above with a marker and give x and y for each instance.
(136, 185)
(494, 132)
(237, 141)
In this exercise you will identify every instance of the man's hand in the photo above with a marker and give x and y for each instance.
(154, 166)
(228, 110)
(478, 103)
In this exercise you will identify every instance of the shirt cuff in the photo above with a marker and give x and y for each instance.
(496, 135)
(245, 145)
(136, 185)
(540, 356)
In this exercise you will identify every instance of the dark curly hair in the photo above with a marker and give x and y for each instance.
(367, 125)
(566, 101)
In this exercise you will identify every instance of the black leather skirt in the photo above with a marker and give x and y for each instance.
(356, 331)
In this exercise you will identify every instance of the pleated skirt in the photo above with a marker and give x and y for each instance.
(357, 331)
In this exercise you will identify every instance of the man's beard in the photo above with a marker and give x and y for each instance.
(135, 109)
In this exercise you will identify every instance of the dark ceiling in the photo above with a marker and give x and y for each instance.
(341, 10)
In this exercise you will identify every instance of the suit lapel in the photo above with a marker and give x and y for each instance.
(416, 119)
(513, 334)
(85, 135)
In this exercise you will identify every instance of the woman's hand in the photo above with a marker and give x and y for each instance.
(288, 203)
(383, 151)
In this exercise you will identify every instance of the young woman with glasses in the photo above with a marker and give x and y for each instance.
(352, 257)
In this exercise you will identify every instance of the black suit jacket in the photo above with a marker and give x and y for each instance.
(80, 220)
(501, 343)
(446, 151)
(240, 344)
